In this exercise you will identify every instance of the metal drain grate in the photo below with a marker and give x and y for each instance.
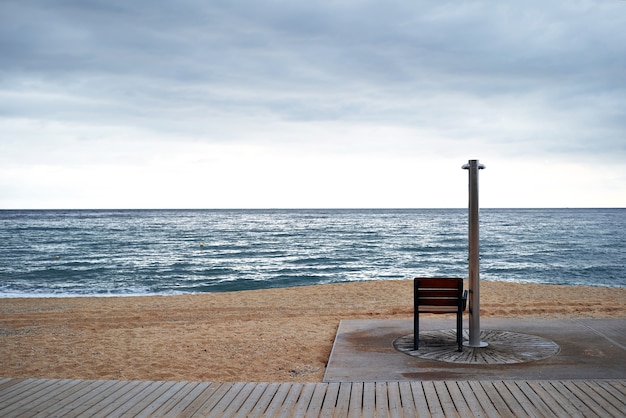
(504, 347)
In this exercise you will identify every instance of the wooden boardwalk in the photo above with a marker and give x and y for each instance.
(101, 398)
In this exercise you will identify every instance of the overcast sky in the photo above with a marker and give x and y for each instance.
(294, 104)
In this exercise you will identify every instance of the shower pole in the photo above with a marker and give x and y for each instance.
(474, 257)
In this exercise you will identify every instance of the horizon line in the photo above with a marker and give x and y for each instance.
(310, 208)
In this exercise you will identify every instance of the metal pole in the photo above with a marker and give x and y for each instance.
(474, 257)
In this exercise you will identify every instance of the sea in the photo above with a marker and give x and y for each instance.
(60, 253)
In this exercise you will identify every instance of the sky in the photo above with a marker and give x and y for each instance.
(324, 104)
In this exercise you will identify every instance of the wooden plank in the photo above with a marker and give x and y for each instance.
(496, 399)
(419, 396)
(461, 406)
(606, 395)
(550, 390)
(240, 400)
(445, 400)
(151, 399)
(302, 406)
(317, 400)
(27, 400)
(510, 400)
(122, 402)
(356, 400)
(343, 401)
(553, 404)
(408, 403)
(264, 400)
(472, 400)
(75, 406)
(64, 406)
(437, 282)
(53, 398)
(538, 403)
(209, 392)
(40, 395)
(7, 383)
(369, 399)
(619, 385)
(290, 400)
(484, 399)
(172, 391)
(22, 390)
(277, 400)
(101, 399)
(612, 390)
(382, 402)
(570, 400)
(19, 386)
(216, 405)
(330, 400)
(435, 408)
(20, 397)
(534, 400)
(394, 400)
(588, 401)
(144, 390)
(252, 400)
(182, 403)
(168, 400)
(593, 399)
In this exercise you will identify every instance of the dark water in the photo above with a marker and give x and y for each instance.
(136, 252)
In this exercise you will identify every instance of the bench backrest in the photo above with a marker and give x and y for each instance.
(438, 293)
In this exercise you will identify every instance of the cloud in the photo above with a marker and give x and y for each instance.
(87, 84)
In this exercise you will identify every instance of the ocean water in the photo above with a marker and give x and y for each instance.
(148, 252)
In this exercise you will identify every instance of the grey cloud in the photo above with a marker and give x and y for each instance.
(173, 65)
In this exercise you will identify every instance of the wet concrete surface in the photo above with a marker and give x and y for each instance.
(589, 349)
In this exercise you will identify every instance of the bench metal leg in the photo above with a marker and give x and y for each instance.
(416, 331)
(459, 329)
(416, 321)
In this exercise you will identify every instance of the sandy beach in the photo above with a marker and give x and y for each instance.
(265, 335)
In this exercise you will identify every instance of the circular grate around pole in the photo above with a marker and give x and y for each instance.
(504, 347)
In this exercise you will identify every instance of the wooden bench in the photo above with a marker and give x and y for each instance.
(439, 295)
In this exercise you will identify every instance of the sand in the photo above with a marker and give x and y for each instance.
(281, 335)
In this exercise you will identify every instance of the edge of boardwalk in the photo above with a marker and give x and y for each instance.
(550, 398)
